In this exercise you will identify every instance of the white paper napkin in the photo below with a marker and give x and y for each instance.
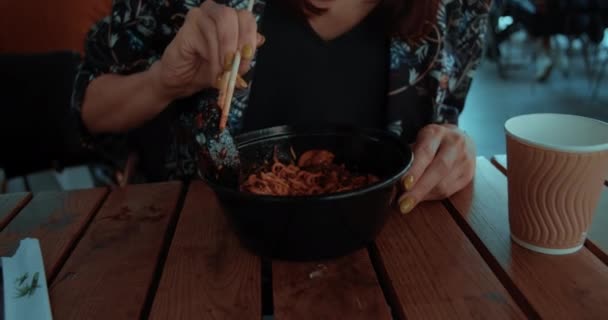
(26, 294)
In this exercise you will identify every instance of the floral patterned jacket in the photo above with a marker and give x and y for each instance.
(439, 69)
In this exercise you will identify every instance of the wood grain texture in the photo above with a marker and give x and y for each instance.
(57, 220)
(10, 205)
(207, 275)
(343, 288)
(597, 239)
(111, 270)
(557, 287)
(435, 271)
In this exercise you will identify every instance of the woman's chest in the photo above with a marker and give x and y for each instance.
(408, 64)
(302, 79)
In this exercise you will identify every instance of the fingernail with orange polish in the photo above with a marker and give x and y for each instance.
(407, 204)
(408, 182)
(247, 52)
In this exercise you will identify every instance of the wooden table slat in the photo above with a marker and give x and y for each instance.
(207, 275)
(557, 287)
(597, 239)
(109, 273)
(56, 219)
(10, 205)
(437, 273)
(343, 288)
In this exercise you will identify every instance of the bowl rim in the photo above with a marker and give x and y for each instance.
(273, 132)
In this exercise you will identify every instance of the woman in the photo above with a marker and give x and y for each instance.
(152, 67)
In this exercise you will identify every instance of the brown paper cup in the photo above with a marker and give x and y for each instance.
(557, 167)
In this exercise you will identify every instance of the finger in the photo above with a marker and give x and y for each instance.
(203, 38)
(456, 181)
(241, 83)
(248, 39)
(462, 182)
(447, 187)
(425, 149)
(432, 176)
(227, 30)
(220, 83)
(190, 34)
(260, 40)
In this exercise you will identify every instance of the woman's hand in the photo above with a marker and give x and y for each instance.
(444, 163)
(204, 49)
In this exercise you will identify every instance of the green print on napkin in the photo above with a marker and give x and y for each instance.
(24, 289)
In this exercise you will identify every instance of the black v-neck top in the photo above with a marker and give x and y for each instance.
(301, 79)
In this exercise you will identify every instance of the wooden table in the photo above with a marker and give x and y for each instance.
(165, 251)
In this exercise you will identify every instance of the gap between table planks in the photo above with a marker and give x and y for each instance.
(435, 272)
(113, 267)
(207, 274)
(597, 239)
(557, 287)
(57, 220)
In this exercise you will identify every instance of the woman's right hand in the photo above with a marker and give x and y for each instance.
(204, 48)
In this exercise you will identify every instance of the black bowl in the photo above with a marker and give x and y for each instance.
(316, 227)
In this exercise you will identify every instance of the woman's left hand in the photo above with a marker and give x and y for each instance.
(444, 163)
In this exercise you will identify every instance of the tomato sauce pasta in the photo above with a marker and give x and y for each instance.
(315, 173)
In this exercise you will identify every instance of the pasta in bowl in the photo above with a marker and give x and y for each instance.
(313, 193)
(314, 173)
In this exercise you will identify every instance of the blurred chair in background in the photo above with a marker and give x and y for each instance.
(40, 47)
(544, 20)
(507, 17)
(37, 128)
(603, 65)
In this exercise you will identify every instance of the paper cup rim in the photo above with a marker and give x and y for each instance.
(555, 147)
